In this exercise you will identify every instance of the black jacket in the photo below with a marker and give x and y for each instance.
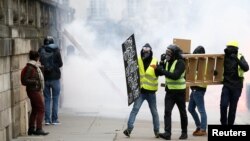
(179, 69)
(231, 77)
(56, 73)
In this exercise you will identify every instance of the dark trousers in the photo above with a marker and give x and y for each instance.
(37, 111)
(229, 98)
(170, 100)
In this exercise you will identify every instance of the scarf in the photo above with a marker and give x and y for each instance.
(40, 74)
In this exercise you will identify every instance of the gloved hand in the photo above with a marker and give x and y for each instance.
(215, 72)
(159, 69)
(163, 57)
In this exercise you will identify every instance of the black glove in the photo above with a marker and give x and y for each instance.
(163, 57)
(234, 56)
(159, 69)
(215, 72)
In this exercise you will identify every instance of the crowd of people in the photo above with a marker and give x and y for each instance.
(172, 66)
(42, 74)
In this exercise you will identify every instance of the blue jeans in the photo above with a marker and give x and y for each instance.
(151, 99)
(51, 91)
(229, 98)
(197, 100)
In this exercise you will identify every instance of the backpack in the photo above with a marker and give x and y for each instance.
(47, 60)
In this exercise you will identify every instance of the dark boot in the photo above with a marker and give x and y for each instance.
(165, 136)
(156, 134)
(41, 132)
(127, 132)
(31, 131)
(183, 136)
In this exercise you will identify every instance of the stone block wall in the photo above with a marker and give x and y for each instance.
(23, 25)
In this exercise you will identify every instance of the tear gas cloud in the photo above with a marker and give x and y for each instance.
(96, 81)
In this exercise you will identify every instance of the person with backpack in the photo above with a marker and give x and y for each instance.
(32, 78)
(51, 60)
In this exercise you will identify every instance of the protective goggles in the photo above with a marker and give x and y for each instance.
(146, 49)
(169, 52)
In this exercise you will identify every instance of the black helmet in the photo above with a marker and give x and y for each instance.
(48, 40)
(199, 50)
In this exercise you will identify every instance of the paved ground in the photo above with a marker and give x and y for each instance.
(102, 123)
(93, 127)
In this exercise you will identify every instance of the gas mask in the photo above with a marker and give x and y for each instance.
(168, 58)
(145, 55)
(168, 54)
(146, 52)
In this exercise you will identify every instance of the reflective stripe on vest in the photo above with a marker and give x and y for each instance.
(240, 71)
(175, 84)
(148, 79)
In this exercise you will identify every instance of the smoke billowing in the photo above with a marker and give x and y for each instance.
(96, 81)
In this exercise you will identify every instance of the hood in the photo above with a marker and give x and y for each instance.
(199, 50)
(176, 52)
(51, 47)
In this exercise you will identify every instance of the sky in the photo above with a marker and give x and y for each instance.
(96, 81)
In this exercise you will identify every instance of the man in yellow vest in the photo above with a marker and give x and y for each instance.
(197, 100)
(172, 66)
(149, 86)
(234, 67)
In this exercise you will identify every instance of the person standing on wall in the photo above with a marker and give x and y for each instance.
(197, 100)
(32, 78)
(51, 61)
(149, 86)
(234, 67)
(172, 66)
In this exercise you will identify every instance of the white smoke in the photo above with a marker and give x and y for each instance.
(98, 82)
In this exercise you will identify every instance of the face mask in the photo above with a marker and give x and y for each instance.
(231, 50)
(168, 57)
(145, 55)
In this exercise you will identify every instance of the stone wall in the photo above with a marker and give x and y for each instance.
(23, 25)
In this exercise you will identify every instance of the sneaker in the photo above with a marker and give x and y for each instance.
(127, 132)
(56, 123)
(197, 130)
(200, 133)
(47, 123)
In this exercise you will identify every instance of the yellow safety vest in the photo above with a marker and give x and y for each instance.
(240, 71)
(148, 79)
(175, 84)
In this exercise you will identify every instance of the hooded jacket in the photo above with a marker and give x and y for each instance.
(231, 64)
(56, 73)
(199, 50)
(179, 67)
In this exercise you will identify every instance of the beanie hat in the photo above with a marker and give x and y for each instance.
(147, 45)
(199, 50)
(233, 43)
